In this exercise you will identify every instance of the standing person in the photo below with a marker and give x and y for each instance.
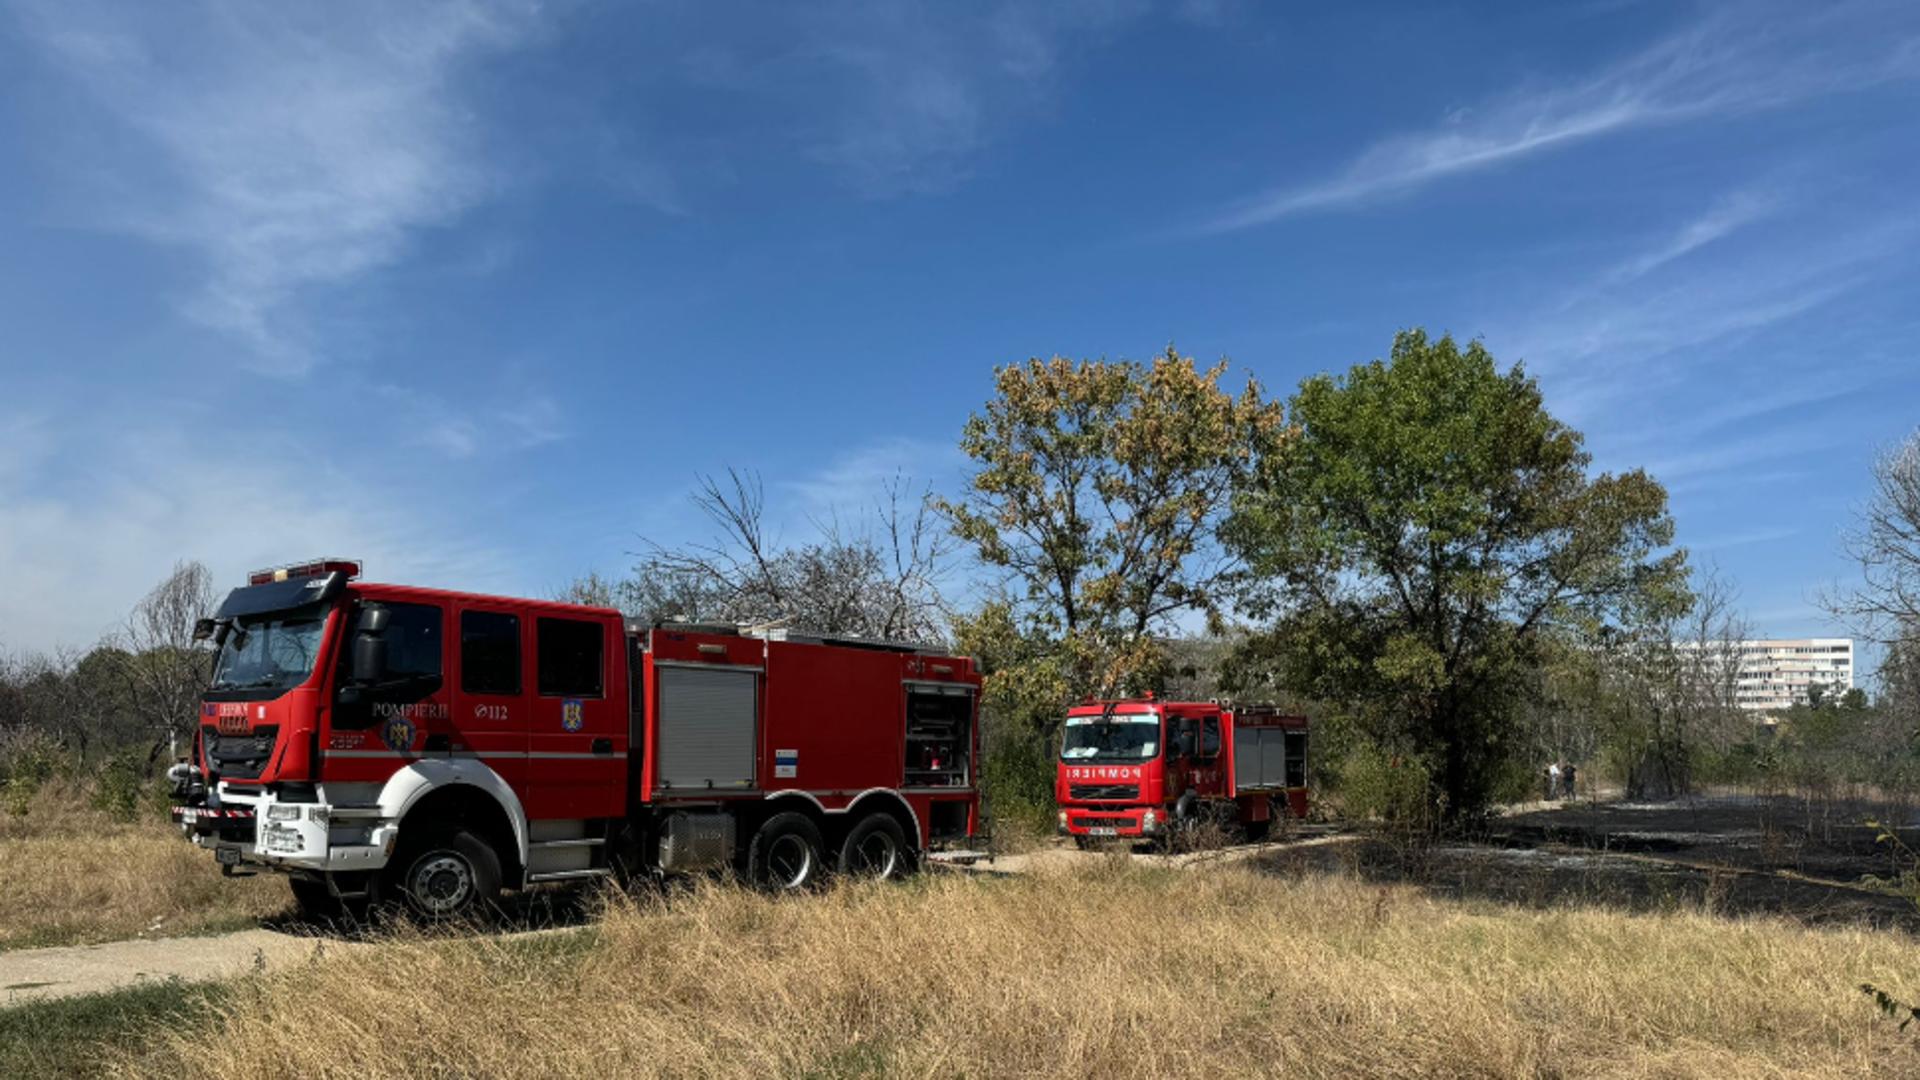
(1553, 781)
(1566, 778)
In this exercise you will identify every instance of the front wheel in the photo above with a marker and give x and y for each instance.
(448, 874)
(785, 853)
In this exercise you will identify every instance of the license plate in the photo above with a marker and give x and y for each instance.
(1103, 830)
(227, 856)
(282, 840)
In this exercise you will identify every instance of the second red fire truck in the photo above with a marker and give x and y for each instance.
(1141, 768)
(382, 740)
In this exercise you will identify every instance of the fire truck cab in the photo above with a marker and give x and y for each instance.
(377, 740)
(1143, 768)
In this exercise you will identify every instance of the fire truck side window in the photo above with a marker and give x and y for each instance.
(1209, 738)
(570, 657)
(489, 652)
(413, 641)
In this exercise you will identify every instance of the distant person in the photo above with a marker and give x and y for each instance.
(1553, 781)
(1566, 778)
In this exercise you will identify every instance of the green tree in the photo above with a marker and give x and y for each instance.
(1430, 525)
(1098, 490)
(1099, 487)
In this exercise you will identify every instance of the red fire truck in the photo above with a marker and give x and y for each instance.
(381, 740)
(1138, 768)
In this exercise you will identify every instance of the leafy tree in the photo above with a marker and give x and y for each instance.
(1098, 489)
(1670, 676)
(1417, 542)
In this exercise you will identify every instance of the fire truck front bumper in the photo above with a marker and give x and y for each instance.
(1111, 820)
(255, 828)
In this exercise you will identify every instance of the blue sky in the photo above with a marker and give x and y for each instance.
(475, 291)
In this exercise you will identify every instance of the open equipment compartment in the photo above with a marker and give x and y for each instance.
(939, 735)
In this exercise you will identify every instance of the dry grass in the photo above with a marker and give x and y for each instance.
(72, 875)
(1111, 971)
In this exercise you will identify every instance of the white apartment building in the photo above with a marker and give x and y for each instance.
(1775, 675)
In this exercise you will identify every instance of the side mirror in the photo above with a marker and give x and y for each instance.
(370, 647)
(202, 629)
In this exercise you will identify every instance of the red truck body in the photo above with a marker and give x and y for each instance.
(1139, 767)
(355, 733)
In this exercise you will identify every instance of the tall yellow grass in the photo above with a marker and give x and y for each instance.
(1110, 971)
(71, 875)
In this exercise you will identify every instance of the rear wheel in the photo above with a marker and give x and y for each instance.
(785, 853)
(447, 874)
(876, 847)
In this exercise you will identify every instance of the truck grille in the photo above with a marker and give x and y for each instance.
(239, 757)
(1089, 792)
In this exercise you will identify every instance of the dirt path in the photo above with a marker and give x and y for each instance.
(35, 974)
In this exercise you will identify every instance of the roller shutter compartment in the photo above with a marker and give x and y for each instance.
(708, 726)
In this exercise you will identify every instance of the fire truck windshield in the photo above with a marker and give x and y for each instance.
(268, 653)
(1120, 737)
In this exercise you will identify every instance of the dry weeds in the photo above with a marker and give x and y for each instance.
(1110, 970)
(71, 875)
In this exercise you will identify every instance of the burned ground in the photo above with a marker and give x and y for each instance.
(1814, 861)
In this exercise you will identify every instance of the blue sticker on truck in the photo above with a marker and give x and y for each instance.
(572, 714)
(786, 764)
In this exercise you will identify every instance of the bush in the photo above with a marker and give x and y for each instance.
(123, 787)
(1385, 787)
(1017, 784)
(28, 759)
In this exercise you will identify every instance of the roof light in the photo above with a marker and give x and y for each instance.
(306, 569)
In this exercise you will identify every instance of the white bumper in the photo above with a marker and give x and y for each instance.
(311, 835)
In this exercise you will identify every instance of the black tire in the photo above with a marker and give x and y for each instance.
(785, 854)
(448, 873)
(315, 900)
(876, 847)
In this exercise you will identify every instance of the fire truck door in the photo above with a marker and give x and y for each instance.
(577, 743)
(1209, 776)
(490, 707)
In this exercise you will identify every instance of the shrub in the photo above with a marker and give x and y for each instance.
(28, 759)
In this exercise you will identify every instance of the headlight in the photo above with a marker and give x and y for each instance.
(1149, 819)
(1063, 819)
(280, 812)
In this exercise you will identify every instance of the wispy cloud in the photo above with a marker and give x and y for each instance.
(293, 149)
(1742, 451)
(899, 97)
(1734, 62)
(853, 481)
(96, 541)
(515, 416)
(1728, 215)
(1613, 341)
(1741, 539)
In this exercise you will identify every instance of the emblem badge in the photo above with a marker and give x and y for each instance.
(572, 715)
(397, 733)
